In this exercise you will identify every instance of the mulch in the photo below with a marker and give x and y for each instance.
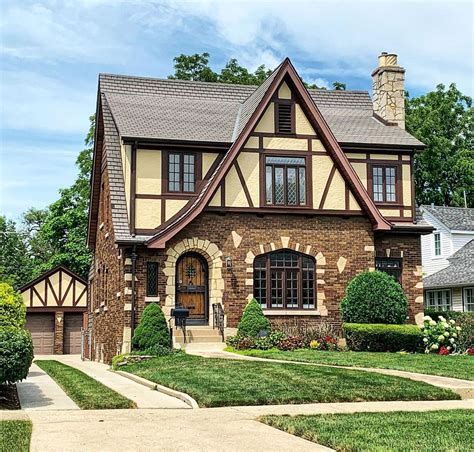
(9, 398)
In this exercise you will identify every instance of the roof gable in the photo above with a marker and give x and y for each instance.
(254, 111)
(453, 218)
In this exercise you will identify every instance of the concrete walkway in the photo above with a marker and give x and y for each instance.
(206, 429)
(40, 392)
(464, 388)
(141, 395)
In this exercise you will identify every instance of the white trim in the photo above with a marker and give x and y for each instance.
(464, 307)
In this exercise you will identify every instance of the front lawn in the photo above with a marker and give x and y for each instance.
(89, 394)
(224, 382)
(436, 431)
(15, 436)
(456, 366)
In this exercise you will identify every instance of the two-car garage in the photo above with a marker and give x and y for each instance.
(55, 305)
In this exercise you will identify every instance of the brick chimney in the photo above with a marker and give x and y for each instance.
(389, 90)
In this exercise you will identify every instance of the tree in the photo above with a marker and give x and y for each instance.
(193, 67)
(253, 320)
(444, 120)
(15, 265)
(12, 308)
(152, 330)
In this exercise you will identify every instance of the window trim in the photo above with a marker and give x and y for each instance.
(398, 259)
(437, 234)
(263, 181)
(428, 291)
(165, 171)
(299, 272)
(464, 304)
(277, 103)
(156, 269)
(398, 182)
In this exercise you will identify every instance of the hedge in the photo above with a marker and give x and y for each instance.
(382, 337)
(374, 297)
(16, 354)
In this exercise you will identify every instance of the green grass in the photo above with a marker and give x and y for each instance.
(88, 393)
(224, 382)
(436, 431)
(15, 436)
(455, 366)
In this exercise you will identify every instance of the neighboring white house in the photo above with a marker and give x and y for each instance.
(448, 258)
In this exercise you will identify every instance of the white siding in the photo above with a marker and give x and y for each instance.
(460, 239)
(456, 294)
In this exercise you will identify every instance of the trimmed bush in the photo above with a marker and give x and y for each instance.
(383, 338)
(152, 330)
(12, 308)
(16, 354)
(374, 297)
(253, 320)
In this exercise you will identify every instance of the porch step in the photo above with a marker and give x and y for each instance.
(197, 334)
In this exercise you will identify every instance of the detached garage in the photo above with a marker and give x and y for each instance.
(55, 305)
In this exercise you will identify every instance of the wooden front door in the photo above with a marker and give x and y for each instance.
(191, 285)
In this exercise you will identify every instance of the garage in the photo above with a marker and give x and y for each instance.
(72, 333)
(41, 327)
(55, 304)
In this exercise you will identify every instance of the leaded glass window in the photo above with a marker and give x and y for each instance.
(152, 279)
(384, 183)
(285, 280)
(181, 172)
(285, 181)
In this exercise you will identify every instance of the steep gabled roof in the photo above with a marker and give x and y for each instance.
(50, 272)
(256, 107)
(454, 218)
(460, 271)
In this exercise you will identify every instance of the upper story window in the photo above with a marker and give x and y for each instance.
(181, 172)
(285, 117)
(285, 181)
(384, 183)
(285, 280)
(437, 244)
(391, 266)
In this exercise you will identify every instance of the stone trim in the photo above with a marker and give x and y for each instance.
(290, 312)
(285, 242)
(213, 255)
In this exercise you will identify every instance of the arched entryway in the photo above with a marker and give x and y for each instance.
(192, 291)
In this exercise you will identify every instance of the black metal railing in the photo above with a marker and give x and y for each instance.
(218, 323)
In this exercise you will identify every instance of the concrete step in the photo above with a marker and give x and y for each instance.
(200, 339)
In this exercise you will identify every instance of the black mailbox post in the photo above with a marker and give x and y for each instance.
(180, 315)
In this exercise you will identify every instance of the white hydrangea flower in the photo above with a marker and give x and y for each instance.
(441, 338)
(426, 317)
(445, 325)
(441, 318)
(446, 334)
(452, 322)
(432, 323)
(434, 347)
(458, 328)
(454, 335)
(448, 347)
(451, 340)
(425, 340)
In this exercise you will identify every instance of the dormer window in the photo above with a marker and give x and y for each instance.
(383, 183)
(285, 118)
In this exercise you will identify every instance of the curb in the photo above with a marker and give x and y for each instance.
(14, 415)
(160, 388)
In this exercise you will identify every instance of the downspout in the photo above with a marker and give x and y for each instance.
(134, 267)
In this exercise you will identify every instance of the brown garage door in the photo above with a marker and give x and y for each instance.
(42, 332)
(72, 333)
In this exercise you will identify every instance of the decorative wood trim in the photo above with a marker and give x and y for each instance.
(284, 210)
(71, 283)
(243, 183)
(347, 197)
(133, 186)
(163, 210)
(57, 308)
(376, 162)
(165, 196)
(327, 187)
(223, 192)
(40, 298)
(48, 282)
(294, 152)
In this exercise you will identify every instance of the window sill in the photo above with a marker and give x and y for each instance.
(288, 312)
(152, 299)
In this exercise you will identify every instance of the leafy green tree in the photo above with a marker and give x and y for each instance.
(253, 320)
(12, 308)
(444, 120)
(193, 67)
(15, 265)
(338, 86)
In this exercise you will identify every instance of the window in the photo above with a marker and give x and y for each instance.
(181, 172)
(284, 280)
(285, 118)
(152, 279)
(285, 181)
(390, 265)
(469, 299)
(384, 183)
(437, 244)
(439, 300)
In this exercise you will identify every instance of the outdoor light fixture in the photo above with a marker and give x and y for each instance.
(228, 262)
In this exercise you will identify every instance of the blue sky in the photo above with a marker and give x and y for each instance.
(52, 51)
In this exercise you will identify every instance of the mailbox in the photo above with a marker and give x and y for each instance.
(180, 313)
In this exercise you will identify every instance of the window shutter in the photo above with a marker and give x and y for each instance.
(285, 123)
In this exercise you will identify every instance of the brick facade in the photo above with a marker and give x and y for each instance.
(58, 332)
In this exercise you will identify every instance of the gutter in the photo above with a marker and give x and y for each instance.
(134, 268)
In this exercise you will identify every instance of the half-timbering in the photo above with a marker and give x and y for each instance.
(207, 194)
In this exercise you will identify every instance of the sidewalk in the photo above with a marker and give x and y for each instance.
(40, 392)
(464, 388)
(141, 395)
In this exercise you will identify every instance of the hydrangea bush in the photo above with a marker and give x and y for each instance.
(440, 336)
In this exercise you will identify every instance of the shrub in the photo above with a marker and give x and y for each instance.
(324, 333)
(374, 297)
(440, 334)
(152, 329)
(12, 308)
(290, 343)
(465, 320)
(16, 354)
(253, 321)
(383, 338)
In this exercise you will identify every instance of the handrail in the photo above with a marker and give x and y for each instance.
(218, 322)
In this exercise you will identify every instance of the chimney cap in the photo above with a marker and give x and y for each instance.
(388, 59)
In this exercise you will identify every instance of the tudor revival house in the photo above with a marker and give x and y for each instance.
(206, 193)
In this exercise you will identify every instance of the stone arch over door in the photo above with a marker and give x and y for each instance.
(213, 256)
(287, 243)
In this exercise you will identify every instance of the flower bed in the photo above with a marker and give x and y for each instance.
(440, 336)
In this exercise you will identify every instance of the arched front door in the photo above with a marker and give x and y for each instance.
(192, 286)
